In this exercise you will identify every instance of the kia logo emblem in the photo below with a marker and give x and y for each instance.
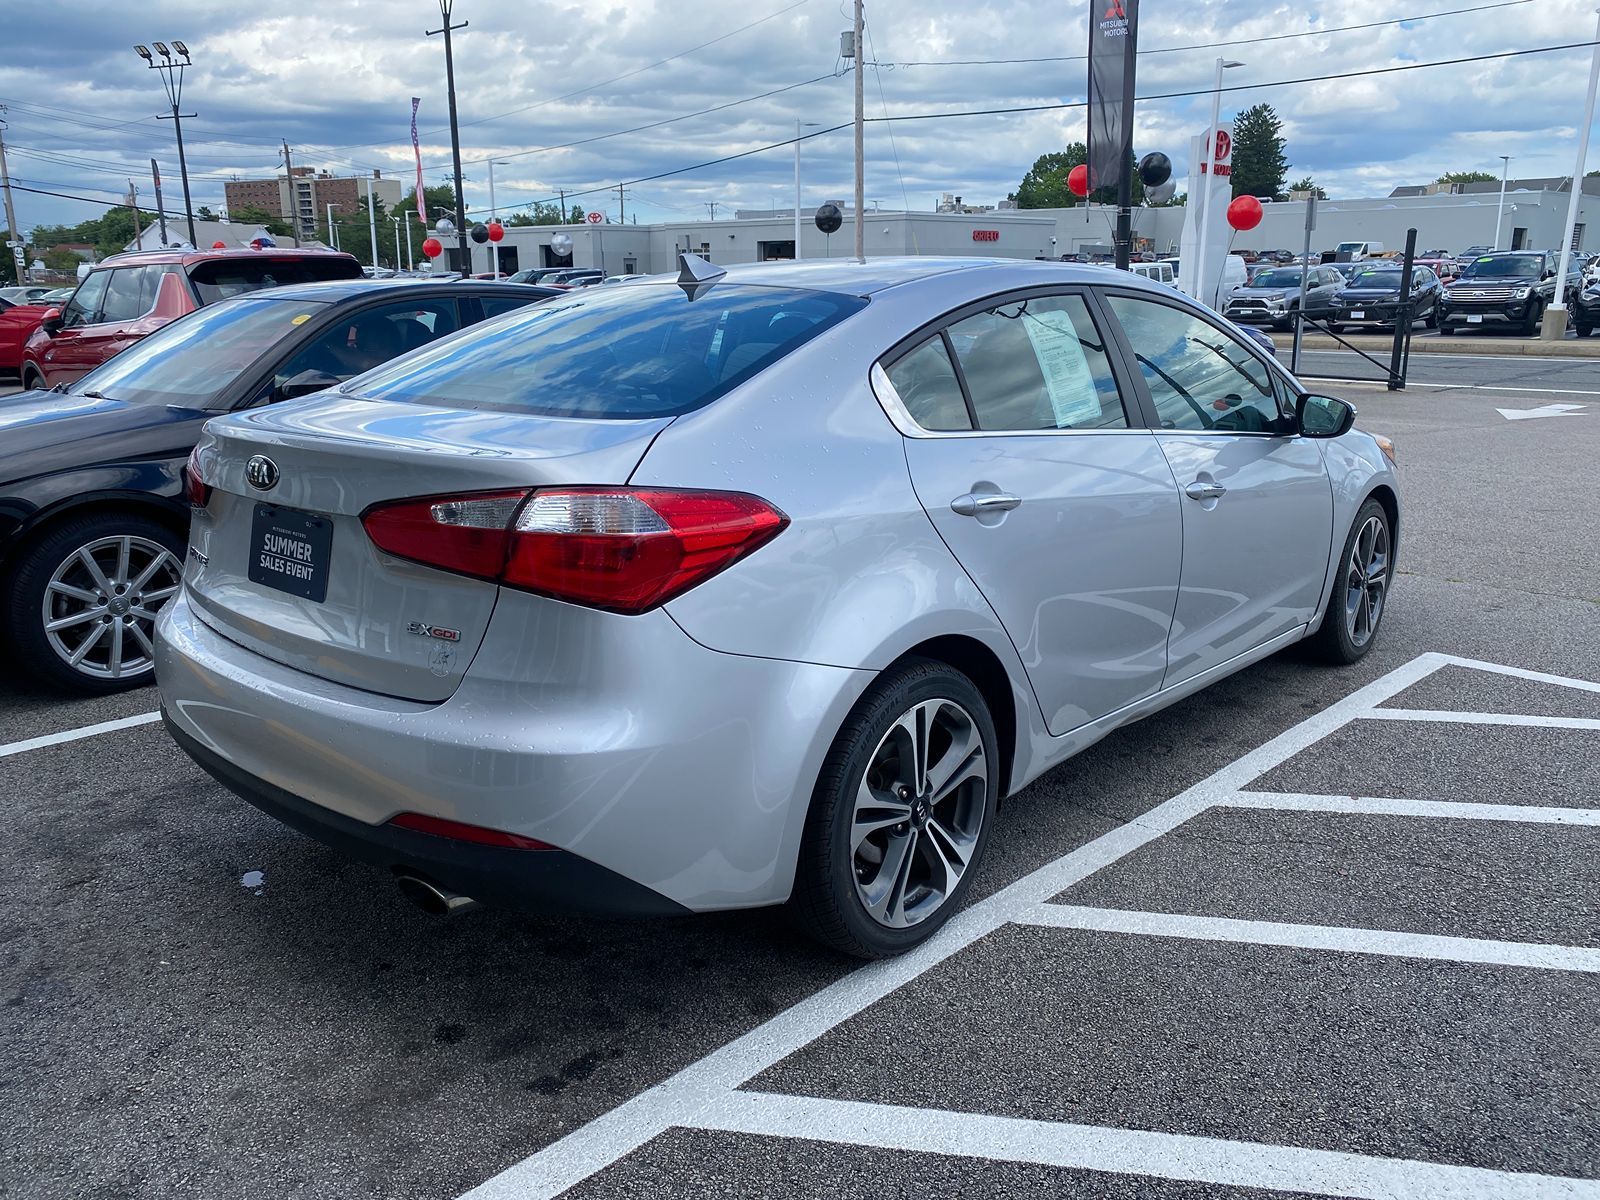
(261, 473)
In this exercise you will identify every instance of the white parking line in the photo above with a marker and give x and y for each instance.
(72, 735)
(1479, 718)
(1128, 1151)
(1339, 938)
(1533, 814)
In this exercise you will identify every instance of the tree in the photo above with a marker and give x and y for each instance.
(250, 215)
(1259, 165)
(1308, 184)
(540, 212)
(204, 213)
(1045, 184)
(61, 260)
(1467, 177)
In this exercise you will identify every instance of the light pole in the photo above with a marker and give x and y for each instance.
(455, 132)
(172, 80)
(494, 215)
(399, 259)
(372, 224)
(798, 126)
(1555, 318)
(1500, 210)
(861, 176)
(1203, 209)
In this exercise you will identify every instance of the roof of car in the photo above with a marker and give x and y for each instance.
(336, 291)
(187, 257)
(876, 274)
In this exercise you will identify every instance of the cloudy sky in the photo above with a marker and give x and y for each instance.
(550, 89)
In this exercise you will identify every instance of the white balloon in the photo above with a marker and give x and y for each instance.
(561, 244)
(1163, 193)
(444, 227)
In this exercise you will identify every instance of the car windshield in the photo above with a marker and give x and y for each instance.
(613, 353)
(191, 360)
(1279, 278)
(1388, 280)
(221, 278)
(1504, 266)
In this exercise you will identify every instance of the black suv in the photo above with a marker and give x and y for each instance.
(1506, 288)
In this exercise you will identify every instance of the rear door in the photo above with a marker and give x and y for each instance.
(1257, 504)
(1063, 512)
(71, 352)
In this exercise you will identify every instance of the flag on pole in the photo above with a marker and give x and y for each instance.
(416, 149)
(1113, 41)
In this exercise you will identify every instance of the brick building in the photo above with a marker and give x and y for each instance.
(314, 191)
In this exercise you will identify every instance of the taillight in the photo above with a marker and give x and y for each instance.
(621, 549)
(195, 489)
(462, 832)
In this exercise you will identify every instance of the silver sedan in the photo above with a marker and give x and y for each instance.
(759, 587)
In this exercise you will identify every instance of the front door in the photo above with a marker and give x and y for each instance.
(1256, 501)
(1064, 516)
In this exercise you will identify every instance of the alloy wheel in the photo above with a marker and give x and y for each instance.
(918, 814)
(101, 603)
(1366, 580)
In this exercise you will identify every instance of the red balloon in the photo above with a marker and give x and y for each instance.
(496, 231)
(1244, 213)
(219, 245)
(1078, 180)
(432, 247)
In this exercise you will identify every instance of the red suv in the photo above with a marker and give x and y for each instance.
(129, 296)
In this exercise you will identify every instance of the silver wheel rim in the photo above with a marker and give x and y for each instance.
(1366, 580)
(100, 606)
(919, 811)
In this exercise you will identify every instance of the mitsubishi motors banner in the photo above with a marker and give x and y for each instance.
(1113, 41)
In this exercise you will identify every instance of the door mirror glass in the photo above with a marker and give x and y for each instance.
(1323, 416)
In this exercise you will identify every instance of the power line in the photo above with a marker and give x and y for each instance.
(1252, 41)
(986, 112)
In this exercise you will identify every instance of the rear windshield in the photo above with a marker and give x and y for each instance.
(616, 353)
(222, 278)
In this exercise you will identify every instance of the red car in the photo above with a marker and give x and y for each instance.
(17, 321)
(129, 296)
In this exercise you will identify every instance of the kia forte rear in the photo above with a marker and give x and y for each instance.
(764, 586)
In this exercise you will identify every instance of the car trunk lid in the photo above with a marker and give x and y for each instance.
(281, 563)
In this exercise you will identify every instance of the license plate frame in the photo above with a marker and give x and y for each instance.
(1358, 314)
(1474, 318)
(298, 558)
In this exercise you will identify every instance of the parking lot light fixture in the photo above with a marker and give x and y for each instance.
(172, 67)
(1500, 209)
(445, 7)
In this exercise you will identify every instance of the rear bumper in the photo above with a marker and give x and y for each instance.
(534, 880)
(681, 770)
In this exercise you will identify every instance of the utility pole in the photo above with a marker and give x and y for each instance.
(294, 196)
(861, 182)
(172, 79)
(562, 193)
(797, 190)
(455, 130)
(622, 218)
(19, 256)
(133, 207)
(372, 223)
(712, 205)
(161, 213)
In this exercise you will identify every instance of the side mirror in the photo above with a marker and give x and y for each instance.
(1548, 274)
(1323, 416)
(51, 321)
(305, 383)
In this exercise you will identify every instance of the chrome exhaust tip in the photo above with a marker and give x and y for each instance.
(433, 899)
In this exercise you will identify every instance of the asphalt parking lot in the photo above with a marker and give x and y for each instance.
(1311, 932)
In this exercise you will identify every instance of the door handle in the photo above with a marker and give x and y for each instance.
(1204, 491)
(971, 505)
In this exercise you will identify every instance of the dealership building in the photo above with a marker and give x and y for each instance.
(1446, 217)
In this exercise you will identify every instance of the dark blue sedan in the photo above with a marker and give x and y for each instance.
(93, 516)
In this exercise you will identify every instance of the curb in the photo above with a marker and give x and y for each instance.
(1379, 346)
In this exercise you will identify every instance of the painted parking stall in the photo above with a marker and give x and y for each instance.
(802, 1075)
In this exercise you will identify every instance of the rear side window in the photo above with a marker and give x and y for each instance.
(614, 353)
(219, 279)
(927, 385)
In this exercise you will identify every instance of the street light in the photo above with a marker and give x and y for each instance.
(798, 126)
(172, 81)
(1500, 210)
(1210, 160)
(494, 215)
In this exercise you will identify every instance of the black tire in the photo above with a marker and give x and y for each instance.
(31, 379)
(1334, 641)
(1535, 315)
(1287, 324)
(29, 581)
(827, 902)
(1582, 330)
(1433, 317)
(1335, 327)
